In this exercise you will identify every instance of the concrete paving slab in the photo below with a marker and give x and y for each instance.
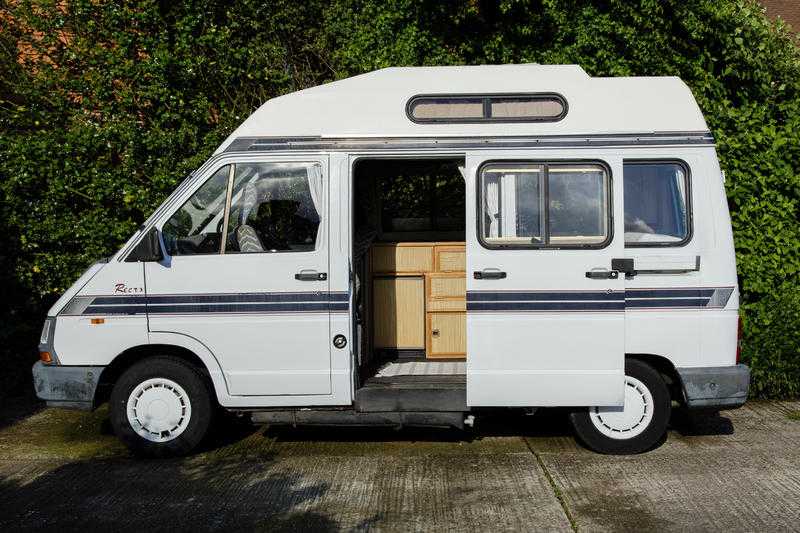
(736, 472)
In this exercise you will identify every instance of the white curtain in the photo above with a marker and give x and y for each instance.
(508, 217)
(491, 207)
(316, 187)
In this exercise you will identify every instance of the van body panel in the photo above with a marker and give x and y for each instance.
(553, 336)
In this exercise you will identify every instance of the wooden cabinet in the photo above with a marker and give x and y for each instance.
(450, 258)
(419, 297)
(402, 258)
(399, 311)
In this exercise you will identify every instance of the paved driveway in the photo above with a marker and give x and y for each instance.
(736, 472)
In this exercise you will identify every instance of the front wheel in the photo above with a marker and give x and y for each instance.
(161, 407)
(638, 425)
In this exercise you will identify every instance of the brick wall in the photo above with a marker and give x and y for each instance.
(788, 10)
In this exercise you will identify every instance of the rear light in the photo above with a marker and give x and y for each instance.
(739, 340)
(45, 357)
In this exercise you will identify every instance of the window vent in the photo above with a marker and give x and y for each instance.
(443, 108)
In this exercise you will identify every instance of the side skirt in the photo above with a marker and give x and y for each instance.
(325, 417)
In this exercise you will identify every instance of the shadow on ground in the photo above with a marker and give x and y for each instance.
(172, 494)
(12, 410)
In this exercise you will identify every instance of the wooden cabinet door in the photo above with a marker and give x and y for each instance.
(399, 313)
(447, 335)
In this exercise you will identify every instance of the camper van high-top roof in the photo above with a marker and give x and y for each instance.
(376, 105)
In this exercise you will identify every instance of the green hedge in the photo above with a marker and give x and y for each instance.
(113, 103)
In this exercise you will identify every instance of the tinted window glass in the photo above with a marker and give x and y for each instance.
(275, 207)
(487, 108)
(577, 204)
(196, 227)
(655, 203)
(512, 211)
(526, 108)
(447, 108)
(513, 205)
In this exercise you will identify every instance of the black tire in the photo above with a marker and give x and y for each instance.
(590, 436)
(190, 379)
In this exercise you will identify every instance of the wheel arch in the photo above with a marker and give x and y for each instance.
(130, 356)
(666, 368)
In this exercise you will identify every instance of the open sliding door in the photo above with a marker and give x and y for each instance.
(545, 308)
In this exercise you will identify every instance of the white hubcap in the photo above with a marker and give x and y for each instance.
(159, 409)
(630, 420)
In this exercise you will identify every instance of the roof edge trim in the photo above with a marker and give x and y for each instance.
(269, 144)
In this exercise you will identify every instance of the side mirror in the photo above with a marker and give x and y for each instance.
(148, 249)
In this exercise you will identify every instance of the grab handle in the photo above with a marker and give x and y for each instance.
(602, 274)
(489, 273)
(310, 275)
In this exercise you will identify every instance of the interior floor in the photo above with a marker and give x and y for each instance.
(420, 372)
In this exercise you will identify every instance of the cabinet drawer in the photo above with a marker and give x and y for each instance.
(444, 304)
(402, 259)
(446, 286)
(451, 259)
(447, 335)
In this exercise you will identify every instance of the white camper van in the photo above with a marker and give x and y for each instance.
(422, 246)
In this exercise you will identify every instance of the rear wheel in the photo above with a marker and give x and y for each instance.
(161, 407)
(638, 425)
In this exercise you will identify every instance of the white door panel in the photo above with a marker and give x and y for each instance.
(269, 330)
(545, 334)
(290, 360)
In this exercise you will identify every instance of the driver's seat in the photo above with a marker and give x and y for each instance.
(246, 236)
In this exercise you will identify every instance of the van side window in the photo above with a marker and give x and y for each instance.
(196, 227)
(656, 205)
(275, 207)
(544, 205)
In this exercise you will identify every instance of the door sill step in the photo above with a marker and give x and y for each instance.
(349, 417)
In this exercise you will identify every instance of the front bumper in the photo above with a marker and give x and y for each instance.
(71, 387)
(723, 387)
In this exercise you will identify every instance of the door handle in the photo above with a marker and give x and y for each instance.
(602, 274)
(311, 275)
(489, 273)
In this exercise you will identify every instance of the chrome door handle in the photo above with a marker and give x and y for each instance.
(311, 275)
(602, 274)
(489, 273)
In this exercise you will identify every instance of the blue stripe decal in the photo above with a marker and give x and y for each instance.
(668, 293)
(634, 299)
(511, 296)
(220, 303)
(114, 300)
(546, 306)
(246, 298)
(234, 308)
(668, 302)
(114, 310)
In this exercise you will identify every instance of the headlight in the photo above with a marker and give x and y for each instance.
(46, 331)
